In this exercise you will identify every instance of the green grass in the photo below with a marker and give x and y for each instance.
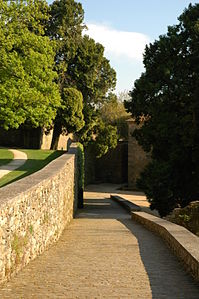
(37, 159)
(5, 156)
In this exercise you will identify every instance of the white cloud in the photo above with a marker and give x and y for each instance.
(119, 43)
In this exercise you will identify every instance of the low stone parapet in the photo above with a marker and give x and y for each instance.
(126, 204)
(34, 211)
(183, 243)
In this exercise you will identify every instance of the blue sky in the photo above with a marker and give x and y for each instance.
(125, 27)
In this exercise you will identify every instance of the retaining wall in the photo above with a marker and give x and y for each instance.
(34, 211)
(182, 242)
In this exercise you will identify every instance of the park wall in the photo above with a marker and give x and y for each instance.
(36, 138)
(34, 212)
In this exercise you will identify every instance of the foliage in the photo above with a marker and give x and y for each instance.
(46, 64)
(80, 153)
(166, 96)
(65, 27)
(87, 133)
(81, 65)
(70, 115)
(106, 138)
(187, 217)
(80, 166)
(28, 92)
(113, 113)
(91, 72)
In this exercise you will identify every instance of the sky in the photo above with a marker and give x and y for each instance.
(124, 27)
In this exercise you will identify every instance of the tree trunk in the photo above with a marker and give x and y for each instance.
(55, 139)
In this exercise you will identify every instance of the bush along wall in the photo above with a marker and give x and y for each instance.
(80, 168)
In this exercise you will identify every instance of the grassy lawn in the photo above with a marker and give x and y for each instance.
(5, 156)
(37, 159)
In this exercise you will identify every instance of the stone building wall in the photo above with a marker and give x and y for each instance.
(63, 141)
(34, 211)
(137, 157)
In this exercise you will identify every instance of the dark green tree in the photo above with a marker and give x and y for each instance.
(28, 93)
(92, 74)
(167, 97)
(69, 116)
(106, 139)
(65, 27)
(80, 64)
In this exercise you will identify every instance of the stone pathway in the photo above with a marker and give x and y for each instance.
(103, 254)
(18, 160)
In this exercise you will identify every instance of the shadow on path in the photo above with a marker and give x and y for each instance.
(165, 272)
(166, 275)
(103, 254)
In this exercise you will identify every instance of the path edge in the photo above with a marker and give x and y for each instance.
(182, 242)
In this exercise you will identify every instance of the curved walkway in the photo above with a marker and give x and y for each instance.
(18, 160)
(103, 254)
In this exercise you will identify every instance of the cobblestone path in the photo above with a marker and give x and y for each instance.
(103, 254)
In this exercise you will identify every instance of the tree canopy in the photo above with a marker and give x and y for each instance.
(80, 64)
(91, 72)
(51, 74)
(69, 116)
(113, 113)
(28, 93)
(167, 97)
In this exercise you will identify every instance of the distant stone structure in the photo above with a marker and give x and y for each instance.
(121, 165)
(137, 157)
(110, 168)
(36, 138)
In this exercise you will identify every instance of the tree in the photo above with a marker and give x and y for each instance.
(65, 27)
(69, 116)
(28, 93)
(92, 74)
(113, 113)
(80, 64)
(166, 96)
(106, 139)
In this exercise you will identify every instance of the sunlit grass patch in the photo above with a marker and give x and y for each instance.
(6, 156)
(37, 159)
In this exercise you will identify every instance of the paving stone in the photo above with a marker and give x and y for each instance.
(103, 254)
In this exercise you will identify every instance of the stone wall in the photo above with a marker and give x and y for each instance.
(21, 138)
(64, 141)
(137, 158)
(31, 138)
(183, 243)
(34, 211)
